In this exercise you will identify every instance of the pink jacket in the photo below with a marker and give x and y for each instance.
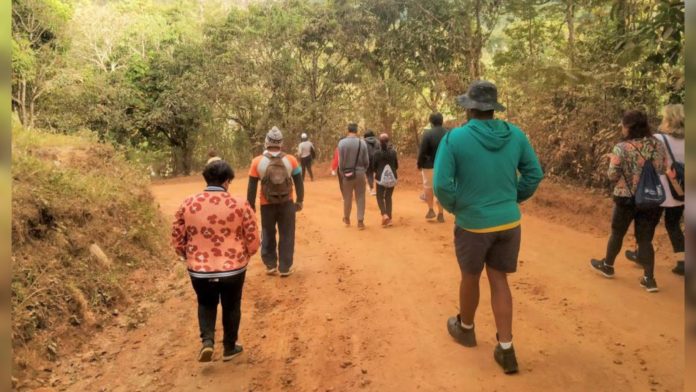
(216, 233)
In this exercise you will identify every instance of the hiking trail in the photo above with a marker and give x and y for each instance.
(367, 310)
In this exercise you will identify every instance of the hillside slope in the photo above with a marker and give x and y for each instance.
(85, 233)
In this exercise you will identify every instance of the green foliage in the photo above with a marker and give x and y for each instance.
(180, 78)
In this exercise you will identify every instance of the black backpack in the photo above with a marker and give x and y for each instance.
(676, 184)
(649, 193)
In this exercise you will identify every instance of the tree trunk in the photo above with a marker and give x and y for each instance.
(477, 45)
(570, 21)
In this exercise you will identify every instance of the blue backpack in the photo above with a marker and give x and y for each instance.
(650, 193)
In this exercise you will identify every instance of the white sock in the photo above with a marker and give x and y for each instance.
(505, 345)
(466, 326)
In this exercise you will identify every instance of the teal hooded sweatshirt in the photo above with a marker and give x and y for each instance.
(482, 171)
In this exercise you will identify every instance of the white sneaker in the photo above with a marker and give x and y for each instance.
(286, 274)
(271, 271)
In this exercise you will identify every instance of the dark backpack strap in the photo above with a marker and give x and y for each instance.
(669, 149)
(357, 156)
(640, 153)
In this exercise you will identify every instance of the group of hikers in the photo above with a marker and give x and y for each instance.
(480, 172)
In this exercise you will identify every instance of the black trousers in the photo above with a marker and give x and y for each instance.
(306, 163)
(370, 177)
(282, 217)
(644, 222)
(673, 217)
(210, 292)
(384, 200)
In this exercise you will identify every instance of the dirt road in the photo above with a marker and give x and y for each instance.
(367, 311)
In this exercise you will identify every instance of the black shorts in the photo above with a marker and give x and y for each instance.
(499, 250)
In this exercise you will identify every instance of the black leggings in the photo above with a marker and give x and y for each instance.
(210, 292)
(384, 200)
(307, 167)
(673, 216)
(645, 222)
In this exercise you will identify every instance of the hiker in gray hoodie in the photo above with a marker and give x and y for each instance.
(372, 147)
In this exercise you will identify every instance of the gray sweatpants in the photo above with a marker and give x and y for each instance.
(356, 186)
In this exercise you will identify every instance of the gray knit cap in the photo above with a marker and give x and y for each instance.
(274, 138)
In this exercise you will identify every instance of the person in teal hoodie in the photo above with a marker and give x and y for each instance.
(483, 170)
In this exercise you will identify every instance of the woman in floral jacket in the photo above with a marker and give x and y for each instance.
(625, 167)
(216, 234)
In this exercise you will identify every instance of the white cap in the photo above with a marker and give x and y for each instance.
(303, 136)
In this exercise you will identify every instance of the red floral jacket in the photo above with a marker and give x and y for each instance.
(216, 233)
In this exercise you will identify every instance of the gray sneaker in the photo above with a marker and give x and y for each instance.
(463, 336)
(506, 359)
(206, 353)
(430, 215)
(230, 353)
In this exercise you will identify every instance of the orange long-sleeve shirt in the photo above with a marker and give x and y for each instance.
(216, 233)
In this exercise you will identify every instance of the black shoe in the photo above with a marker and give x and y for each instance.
(632, 255)
(346, 221)
(441, 217)
(463, 336)
(231, 353)
(206, 353)
(606, 270)
(679, 268)
(506, 359)
(649, 284)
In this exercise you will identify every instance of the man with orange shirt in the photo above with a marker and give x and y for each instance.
(216, 234)
(277, 172)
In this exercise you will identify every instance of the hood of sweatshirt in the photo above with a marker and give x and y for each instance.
(372, 140)
(492, 134)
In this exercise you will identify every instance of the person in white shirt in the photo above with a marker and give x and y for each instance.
(672, 136)
(306, 153)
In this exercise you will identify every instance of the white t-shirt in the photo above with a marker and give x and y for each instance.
(305, 149)
(677, 146)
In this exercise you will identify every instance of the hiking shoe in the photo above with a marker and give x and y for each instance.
(431, 214)
(286, 274)
(463, 336)
(206, 353)
(632, 255)
(385, 219)
(679, 268)
(346, 221)
(506, 359)
(606, 270)
(271, 271)
(228, 354)
(361, 225)
(441, 217)
(649, 284)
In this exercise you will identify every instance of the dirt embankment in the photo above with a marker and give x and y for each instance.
(86, 234)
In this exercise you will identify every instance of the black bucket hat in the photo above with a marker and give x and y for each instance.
(482, 95)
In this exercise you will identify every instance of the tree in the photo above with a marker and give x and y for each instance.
(37, 48)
